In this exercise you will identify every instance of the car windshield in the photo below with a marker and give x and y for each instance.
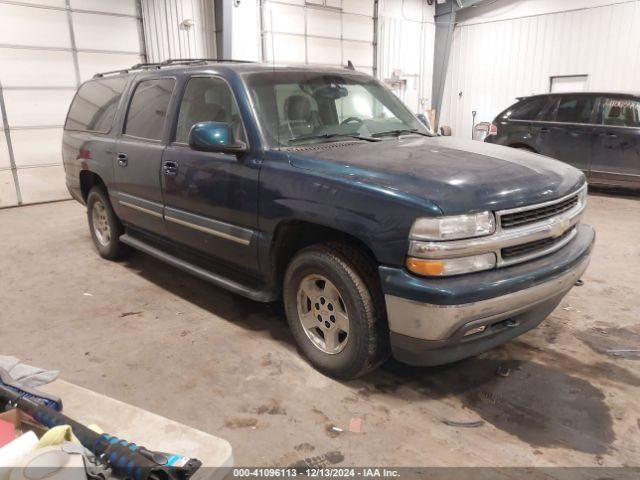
(297, 108)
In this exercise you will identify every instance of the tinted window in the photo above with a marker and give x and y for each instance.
(575, 110)
(528, 109)
(208, 100)
(621, 112)
(95, 104)
(148, 108)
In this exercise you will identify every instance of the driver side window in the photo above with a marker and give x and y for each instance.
(208, 99)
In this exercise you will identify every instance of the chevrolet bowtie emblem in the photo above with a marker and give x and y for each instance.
(559, 227)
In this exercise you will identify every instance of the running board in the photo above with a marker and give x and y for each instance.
(235, 287)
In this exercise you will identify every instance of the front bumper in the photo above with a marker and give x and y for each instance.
(441, 320)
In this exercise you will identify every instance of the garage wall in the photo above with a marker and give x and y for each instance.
(406, 36)
(179, 29)
(47, 48)
(512, 49)
(323, 32)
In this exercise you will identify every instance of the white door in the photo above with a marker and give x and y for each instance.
(324, 32)
(568, 84)
(47, 48)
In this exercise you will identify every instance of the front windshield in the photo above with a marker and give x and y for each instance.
(297, 108)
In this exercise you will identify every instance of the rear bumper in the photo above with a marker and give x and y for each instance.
(435, 321)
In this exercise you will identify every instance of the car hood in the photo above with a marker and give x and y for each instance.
(460, 176)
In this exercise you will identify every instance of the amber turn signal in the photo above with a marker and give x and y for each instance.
(425, 267)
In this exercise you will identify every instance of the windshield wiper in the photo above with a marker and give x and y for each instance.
(399, 132)
(333, 135)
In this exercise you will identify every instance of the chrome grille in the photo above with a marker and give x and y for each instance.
(532, 247)
(525, 217)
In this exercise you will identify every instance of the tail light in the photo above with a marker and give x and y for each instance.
(493, 130)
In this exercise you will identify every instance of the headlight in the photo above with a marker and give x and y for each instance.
(451, 266)
(583, 196)
(453, 227)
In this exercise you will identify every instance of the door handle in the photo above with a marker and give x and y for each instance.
(610, 135)
(544, 130)
(123, 159)
(170, 168)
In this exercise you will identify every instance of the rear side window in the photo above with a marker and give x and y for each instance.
(529, 109)
(148, 108)
(95, 105)
(574, 110)
(621, 112)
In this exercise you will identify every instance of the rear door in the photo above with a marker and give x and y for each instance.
(616, 157)
(566, 131)
(211, 198)
(138, 155)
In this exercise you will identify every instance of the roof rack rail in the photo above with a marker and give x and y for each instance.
(168, 63)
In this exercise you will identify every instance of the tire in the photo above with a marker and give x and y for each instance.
(104, 225)
(524, 147)
(308, 298)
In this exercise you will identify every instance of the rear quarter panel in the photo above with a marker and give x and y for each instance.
(86, 151)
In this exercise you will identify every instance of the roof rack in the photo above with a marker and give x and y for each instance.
(168, 63)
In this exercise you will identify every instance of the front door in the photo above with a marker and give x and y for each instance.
(138, 156)
(616, 158)
(566, 131)
(211, 199)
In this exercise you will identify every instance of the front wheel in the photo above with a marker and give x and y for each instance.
(104, 225)
(336, 318)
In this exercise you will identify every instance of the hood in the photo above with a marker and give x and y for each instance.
(460, 176)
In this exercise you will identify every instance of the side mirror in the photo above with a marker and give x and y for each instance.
(215, 137)
(423, 119)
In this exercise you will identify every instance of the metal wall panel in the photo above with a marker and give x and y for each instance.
(27, 68)
(94, 31)
(92, 62)
(493, 62)
(35, 147)
(31, 108)
(167, 32)
(121, 7)
(47, 47)
(32, 26)
(406, 35)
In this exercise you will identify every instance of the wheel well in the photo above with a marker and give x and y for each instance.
(523, 146)
(293, 236)
(88, 180)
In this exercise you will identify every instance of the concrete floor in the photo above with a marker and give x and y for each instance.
(149, 335)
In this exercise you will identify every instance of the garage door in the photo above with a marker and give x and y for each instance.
(47, 48)
(326, 32)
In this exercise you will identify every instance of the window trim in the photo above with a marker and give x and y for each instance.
(115, 113)
(174, 126)
(132, 94)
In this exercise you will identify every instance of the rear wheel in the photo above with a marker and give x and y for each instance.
(336, 318)
(524, 147)
(104, 225)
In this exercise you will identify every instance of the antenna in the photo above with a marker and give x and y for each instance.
(350, 65)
